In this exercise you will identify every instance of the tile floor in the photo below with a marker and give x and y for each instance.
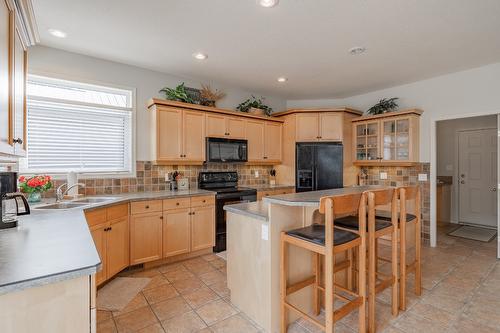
(461, 280)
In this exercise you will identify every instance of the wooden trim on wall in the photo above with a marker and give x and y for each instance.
(164, 102)
(335, 109)
(416, 112)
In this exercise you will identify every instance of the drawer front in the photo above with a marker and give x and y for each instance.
(176, 203)
(148, 206)
(96, 216)
(115, 212)
(207, 200)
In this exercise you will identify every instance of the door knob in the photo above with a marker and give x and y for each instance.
(462, 175)
(494, 189)
(462, 182)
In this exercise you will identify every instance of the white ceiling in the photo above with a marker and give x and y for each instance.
(305, 40)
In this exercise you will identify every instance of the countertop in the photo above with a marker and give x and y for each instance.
(49, 246)
(257, 210)
(312, 198)
(268, 187)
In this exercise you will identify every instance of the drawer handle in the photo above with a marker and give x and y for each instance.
(204, 200)
(147, 206)
(177, 204)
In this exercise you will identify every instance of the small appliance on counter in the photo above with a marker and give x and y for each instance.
(225, 184)
(11, 201)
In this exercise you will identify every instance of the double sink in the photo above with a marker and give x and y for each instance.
(76, 203)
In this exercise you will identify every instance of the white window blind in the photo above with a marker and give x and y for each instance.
(70, 135)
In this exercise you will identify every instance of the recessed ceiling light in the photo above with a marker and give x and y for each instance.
(57, 33)
(267, 3)
(357, 50)
(200, 56)
(282, 79)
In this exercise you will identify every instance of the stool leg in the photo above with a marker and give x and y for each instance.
(362, 285)
(283, 286)
(371, 282)
(418, 253)
(329, 289)
(402, 266)
(394, 263)
(350, 268)
(317, 276)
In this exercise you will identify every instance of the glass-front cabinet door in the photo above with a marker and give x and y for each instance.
(396, 139)
(367, 141)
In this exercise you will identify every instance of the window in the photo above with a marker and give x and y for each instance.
(79, 127)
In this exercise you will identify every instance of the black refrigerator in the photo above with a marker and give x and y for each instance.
(319, 166)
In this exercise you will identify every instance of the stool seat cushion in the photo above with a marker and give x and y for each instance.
(315, 233)
(386, 215)
(352, 222)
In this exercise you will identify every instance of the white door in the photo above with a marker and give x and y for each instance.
(477, 176)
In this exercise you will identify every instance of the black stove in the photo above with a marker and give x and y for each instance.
(225, 184)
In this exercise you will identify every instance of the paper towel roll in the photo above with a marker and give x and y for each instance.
(72, 179)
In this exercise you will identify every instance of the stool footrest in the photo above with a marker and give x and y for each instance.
(299, 285)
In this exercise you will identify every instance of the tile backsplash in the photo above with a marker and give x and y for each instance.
(405, 176)
(151, 177)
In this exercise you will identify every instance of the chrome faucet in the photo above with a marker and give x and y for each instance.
(60, 193)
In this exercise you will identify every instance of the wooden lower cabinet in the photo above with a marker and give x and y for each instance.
(117, 246)
(176, 232)
(202, 228)
(267, 193)
(146, 237)
(99, 236)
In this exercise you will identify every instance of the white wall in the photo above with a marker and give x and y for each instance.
(447, 150)
(50, 61)
(467, 92)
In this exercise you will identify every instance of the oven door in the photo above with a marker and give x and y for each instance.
(226, 150)
(221, 218)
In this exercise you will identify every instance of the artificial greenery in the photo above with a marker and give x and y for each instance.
(254, 102)
(383, 106)
(177, 94)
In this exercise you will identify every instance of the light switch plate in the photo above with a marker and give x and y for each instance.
(256, 174)
(383, 175)
(422, 177)
(265, 232)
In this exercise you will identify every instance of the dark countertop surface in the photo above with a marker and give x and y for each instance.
(53, 245)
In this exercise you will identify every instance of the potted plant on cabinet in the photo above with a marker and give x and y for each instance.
(255, 106)
(178, 93)
(209, 97)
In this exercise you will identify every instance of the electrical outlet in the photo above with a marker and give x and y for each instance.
(422, 177)
(383, 175)
(167, 176)
(256, 174)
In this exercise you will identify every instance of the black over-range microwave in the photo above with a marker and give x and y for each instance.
(226, 150)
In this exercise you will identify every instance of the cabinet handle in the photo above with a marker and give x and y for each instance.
(177, 204)
(110, 228)
(161, 217)
(18, 140)
(265, 157)
(204, 200)
(147, 207)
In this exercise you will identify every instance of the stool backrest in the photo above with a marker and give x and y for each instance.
(408, 193)
(379, 198)
(354, 204)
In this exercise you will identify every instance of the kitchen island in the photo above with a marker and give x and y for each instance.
(253, 252)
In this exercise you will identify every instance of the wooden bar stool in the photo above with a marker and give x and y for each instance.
(328, 241)
(377, 281)
(406, 195)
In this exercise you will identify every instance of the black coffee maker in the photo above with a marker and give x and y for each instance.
(8, 192)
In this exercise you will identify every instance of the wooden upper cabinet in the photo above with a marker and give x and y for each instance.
(391, 139)
(255, 137)
(225, 127)
(194, 136)
(19, 96)
(330, 126)
(216, 126)
(169, 138)
(181, 135)
(117, 238)
(323, 126)
(307, 128)
(6, 33)
(273, 142)
(235, 128)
